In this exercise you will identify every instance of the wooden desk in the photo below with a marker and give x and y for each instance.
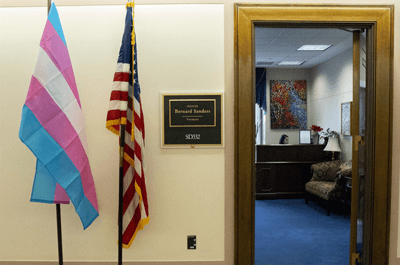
(283, 170)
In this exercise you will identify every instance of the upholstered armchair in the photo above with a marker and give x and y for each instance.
(326, 183)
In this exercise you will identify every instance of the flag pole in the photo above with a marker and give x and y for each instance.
(58, 207)
(121, 190)
(121, 183)
(60, 250)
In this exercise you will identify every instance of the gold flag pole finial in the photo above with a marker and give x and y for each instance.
(132, 4)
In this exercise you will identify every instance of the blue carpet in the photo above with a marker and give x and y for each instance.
(290, 232)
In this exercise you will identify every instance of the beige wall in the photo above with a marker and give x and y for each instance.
(180, 49)
(181, 201)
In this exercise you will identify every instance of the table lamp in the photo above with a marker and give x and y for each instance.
(333, 145)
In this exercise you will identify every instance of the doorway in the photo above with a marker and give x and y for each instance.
(309, 83)
(380, 19)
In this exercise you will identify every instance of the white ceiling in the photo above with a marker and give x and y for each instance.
(281, 44)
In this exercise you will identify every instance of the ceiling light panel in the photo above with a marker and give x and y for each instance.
(314, 47)
(260, 64)
(291, 63)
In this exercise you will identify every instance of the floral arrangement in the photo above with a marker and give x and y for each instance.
(316, 128)
(330, 133)
(326, 135)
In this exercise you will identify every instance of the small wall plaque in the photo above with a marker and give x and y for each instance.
(346, 118)
(192, 120)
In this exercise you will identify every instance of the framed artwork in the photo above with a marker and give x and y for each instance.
(346, 118)
(305, 136)
(288, 104)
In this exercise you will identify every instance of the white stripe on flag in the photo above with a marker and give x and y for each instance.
(128, 140)
(52, 79)
(129, 115)
(123, 67)
(137, 106)
(138, 137)
(128, 177)
(138, 166)
(54, 82)
(128, 215)
(120, 86)
(82, 137)
(75, 116)
(143, 211)
(118, 105)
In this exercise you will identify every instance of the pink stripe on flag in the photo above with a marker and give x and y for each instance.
(58, 53)
(65, 135)
(88, 186)
(57, 125)
(60, 196)
(40, 102)
(34, 87)
(60, 128)
(76, 153)
(69, 76)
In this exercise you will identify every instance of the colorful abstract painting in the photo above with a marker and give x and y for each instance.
(288, 104)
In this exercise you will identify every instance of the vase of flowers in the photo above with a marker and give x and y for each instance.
(328, 134)
(316, 129)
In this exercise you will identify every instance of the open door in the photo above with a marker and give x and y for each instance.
(362, 132)
(371, 148)
(358, 153)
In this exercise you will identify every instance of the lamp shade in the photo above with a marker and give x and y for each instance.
(333, 145)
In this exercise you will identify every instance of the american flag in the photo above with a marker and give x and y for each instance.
(126, 108)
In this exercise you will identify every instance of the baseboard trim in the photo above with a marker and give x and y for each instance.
(113, 263)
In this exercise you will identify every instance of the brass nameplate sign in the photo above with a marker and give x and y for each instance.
(192, 113)
(192, 120)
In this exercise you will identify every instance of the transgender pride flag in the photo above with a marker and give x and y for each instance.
(53, 128)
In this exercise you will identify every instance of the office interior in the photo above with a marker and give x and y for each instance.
(284, 168)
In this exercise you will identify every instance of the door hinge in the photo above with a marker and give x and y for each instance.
(355, 259)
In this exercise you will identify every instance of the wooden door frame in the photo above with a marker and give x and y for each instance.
(381, 18)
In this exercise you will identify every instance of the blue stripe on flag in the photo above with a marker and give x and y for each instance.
(44, 185)
(55, 21)
(125, 53)
(58, 164)
(86, 212)
(75, 192)
(136, 90)
(31, 132)
(65, 174)
(28, 117)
